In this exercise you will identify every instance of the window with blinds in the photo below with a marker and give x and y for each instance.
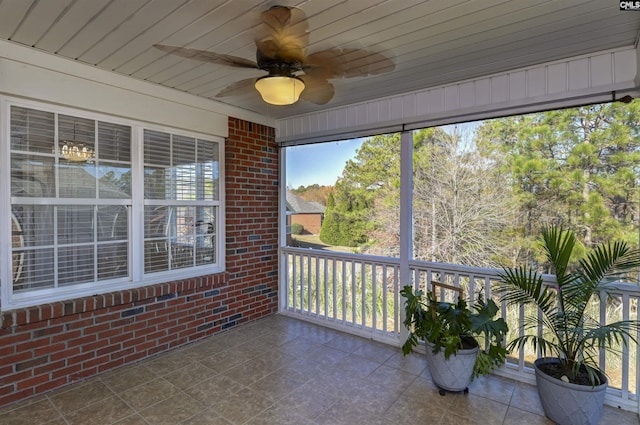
(181, 180)
(70, 216)
(73, 202)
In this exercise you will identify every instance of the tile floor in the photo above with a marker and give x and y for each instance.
(283, 371)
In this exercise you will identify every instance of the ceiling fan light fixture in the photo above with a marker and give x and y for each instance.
(280, 90)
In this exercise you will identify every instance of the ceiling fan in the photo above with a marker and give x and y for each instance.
(281, 41)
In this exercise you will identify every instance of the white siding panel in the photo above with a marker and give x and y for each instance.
(467, 95)
(372, 112)
(385, 110)
(601, 70)
(422, 102)
(409, 106)
(625, 65)
(518, 85)
(557, 78)
(499, 89)
(482, 92)
(537, 82)
(451, 97)
(361, 112)
(570, 82)
(397, 111)
(436, 101)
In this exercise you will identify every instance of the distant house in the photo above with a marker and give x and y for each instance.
(309, 214)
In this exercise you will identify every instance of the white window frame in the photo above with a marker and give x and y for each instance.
(137, 277)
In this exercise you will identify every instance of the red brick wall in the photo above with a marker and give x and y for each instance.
(54, 344)
(312, 223)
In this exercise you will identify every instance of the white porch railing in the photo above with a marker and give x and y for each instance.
(359, 294)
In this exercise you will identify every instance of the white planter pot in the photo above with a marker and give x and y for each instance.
(566, 403)
(453, 374)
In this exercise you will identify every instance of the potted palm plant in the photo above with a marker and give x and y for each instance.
(570, 382)
(453, 334)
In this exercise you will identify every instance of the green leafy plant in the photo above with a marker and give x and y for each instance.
(297, 228)
(454, 326)
(570, 333)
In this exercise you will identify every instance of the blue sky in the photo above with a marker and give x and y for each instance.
(321, 163)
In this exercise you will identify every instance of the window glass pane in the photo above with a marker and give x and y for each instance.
(156, 257)
(77, 179)
(209, 171)
(36, 269)
(114, 181)
(113, 260)
(32, 176)
(184, 150)
(32, 130)
(157, 183)
(75, 264)
(155, 221)
(181, 252)
(157, 148)
(75, 224)
(77, 130)
(35, 224)
(205, 235)
(114, 142)
(113, 223)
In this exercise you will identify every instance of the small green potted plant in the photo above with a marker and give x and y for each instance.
(453, 334)
(570, 382)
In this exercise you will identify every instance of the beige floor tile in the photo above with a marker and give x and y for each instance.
(189, 375)
(357, 366)
(127, 377)
(40, 411)
(80, 396)
(614, 416)
(279, 384)
(150, 393)
(240, 407)
(516, 416)
(310, 400)
(207, 417)
(280, 415)
(525, 397)
(132, 420)
(167, 362)
(413, 363)
(104, 412)
(480, 409)
(493, 387)
(376, 351)
(217, 387)
(172, 411)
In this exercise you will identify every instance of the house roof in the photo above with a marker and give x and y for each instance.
(297, 205)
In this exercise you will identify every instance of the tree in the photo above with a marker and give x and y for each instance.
(459, 203)
(575, 167)
(374, 170)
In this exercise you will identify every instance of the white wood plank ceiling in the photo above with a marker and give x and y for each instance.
(431, 42)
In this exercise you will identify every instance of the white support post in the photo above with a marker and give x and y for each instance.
(406, 189)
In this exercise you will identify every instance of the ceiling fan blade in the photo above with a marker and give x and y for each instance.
(204, 56)
(347, 63)
(317, 90)
(283, 35)
(239, 88)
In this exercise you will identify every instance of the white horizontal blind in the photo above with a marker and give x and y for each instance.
(181, 187)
